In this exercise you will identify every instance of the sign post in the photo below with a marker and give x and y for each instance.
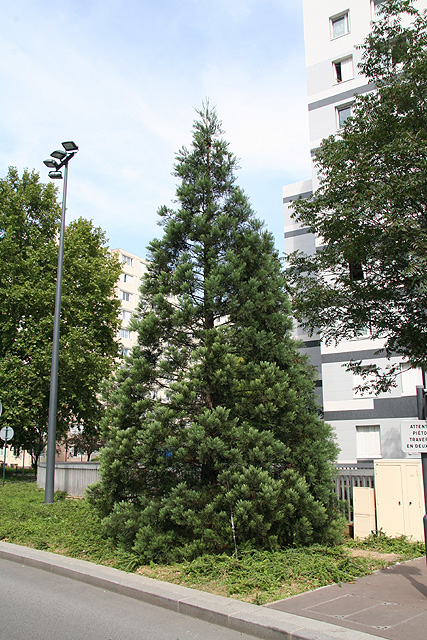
(414, 436)
(414, 440)
(6, 434)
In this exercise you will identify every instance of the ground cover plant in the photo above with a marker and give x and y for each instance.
(69, 527)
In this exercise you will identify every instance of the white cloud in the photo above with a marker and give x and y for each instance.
(122, 78)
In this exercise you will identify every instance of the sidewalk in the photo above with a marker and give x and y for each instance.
(391, 603)
(350, 612)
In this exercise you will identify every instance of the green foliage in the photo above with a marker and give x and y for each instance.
(66, 526)
(29, 218)
(214, 411)
(378, 541)
(85, 441)
(370, 207)
(71, 528)
(266, 575)
(17, 474)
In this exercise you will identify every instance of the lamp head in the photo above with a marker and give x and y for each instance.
(70, 146)
(58, 154)
(52, 164)
(55, 175)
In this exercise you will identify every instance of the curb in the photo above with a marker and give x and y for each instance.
(267, 624)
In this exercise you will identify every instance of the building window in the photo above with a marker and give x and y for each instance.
(410, 379)
(143, 266)
(125, 333)
(368, 442)
(355, 270)
(126, 260)
(340, 25)
(126, 315)
(343, 70)
(377, 8)
(362, 333)
(343, 113)
(125, 277)
(124, 352)
(124, 295)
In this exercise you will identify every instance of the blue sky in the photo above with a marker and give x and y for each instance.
(122, 78)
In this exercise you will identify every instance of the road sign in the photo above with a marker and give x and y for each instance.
(6, 433)
(414, 436)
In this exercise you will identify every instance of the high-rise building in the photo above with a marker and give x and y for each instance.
(127, 289)
(367, 426)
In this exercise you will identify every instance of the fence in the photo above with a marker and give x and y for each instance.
(349, 476)
(71, 477)
(75, 477)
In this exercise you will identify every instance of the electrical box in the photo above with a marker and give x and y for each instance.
(364, 520)
(399, 498)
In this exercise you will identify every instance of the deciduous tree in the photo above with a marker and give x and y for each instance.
(370, 207)
(29, 217)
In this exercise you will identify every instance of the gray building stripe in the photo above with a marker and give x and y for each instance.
(297, 232)
(405, 407)
(298, 196)
(309, 344)
(341, 96)
(369, 354)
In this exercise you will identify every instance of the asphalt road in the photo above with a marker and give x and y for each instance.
(37, 605)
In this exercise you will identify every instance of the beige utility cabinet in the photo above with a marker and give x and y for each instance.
(364, 521)
(399, 497)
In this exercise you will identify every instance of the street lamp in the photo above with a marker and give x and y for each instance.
(61, 159)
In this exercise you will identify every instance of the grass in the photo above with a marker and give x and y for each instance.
(70, 528)
(261, 577)
(17, 474)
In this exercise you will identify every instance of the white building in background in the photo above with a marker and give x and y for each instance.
(367, 427)
(23, 460)
(127, 289)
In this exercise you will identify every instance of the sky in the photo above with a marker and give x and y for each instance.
(123, 78)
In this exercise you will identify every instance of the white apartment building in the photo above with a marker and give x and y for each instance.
(127, 289)
(367, 427)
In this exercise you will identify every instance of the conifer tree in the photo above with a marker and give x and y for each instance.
(213, 417)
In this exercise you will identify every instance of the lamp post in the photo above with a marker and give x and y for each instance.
(422, 415)
(57, 161)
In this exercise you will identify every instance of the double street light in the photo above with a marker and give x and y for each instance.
(58, 159)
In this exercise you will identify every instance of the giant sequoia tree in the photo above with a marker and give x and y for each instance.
(213, 413)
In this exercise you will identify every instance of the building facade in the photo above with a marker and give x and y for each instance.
(367, 426)
(127, 289)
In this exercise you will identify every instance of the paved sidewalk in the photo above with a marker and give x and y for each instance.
(260, 622)
(391, 603)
